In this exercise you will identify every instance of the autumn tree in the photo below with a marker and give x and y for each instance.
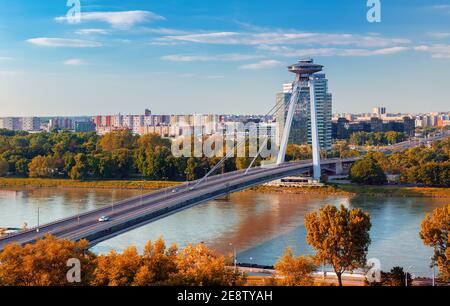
(435, 232)
(198, 265)
(295, 271)
(340, 237)
(158, 264)
(117, 140)
(44, 263)
(117, 269)
(42, 166)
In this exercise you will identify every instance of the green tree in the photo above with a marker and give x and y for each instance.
(367, 171)
(123, 162)
(4, 167)
(22, 167)
(340, 237)
(80, 170)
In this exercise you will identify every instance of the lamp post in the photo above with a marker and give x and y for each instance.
(37, 228)
(234, 257)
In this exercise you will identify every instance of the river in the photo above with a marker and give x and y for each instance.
(259, 225)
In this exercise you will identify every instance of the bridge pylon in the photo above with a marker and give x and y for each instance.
(304, 70)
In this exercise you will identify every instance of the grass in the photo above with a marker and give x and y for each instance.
(117, 184)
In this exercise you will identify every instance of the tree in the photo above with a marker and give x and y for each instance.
(396, 278)
(158, 264)
(22, 167)
(367, 171)
(295, 271)
(123, 162)
(192, 166)
(116, 269)
(340, 237)
(42, 166)
(435, 232)
(117, 140)
(4, 167)
(80, 170)
(199, 266)
(44, 263)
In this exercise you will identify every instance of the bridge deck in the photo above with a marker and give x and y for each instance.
(140, 210)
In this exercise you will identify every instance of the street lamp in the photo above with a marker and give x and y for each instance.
(234, 257)
(37, 228)
(406, 275)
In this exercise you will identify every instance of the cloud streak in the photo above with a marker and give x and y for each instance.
(120, 20)
(304, 52)
(63, 42)
(261, 65)
(74, 62)
(290, 38)
(439, 51)
(207, 58)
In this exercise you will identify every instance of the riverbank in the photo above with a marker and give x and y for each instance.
(66, 183)
(351, 190)
(337, 190)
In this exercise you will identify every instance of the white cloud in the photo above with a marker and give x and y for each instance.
(206, 58)
(74, 62)
(441, 7)
(440, 35)
(290, 38)
(92, 31)
(62, 42)
(261, 65)
(307, 52)
(121, 20)
(440, 51)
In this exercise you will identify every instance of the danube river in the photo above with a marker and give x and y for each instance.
(259, 225)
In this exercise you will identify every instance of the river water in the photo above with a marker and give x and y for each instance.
(259, 225)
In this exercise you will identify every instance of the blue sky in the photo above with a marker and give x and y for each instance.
(195, 56)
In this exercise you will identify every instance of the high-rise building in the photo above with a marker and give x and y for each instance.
(301, 124)
(379, 111)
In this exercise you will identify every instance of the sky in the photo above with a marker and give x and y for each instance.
(199, 56)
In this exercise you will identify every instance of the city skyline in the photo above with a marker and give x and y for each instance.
(227, 58)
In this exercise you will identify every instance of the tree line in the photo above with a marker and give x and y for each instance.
(376, 138)
(117, 155)
(424, 165)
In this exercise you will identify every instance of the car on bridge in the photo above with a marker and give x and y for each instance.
(104, 219)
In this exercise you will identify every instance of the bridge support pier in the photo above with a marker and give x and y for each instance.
(339, 168)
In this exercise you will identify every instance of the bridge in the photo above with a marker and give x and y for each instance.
(137, 211)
